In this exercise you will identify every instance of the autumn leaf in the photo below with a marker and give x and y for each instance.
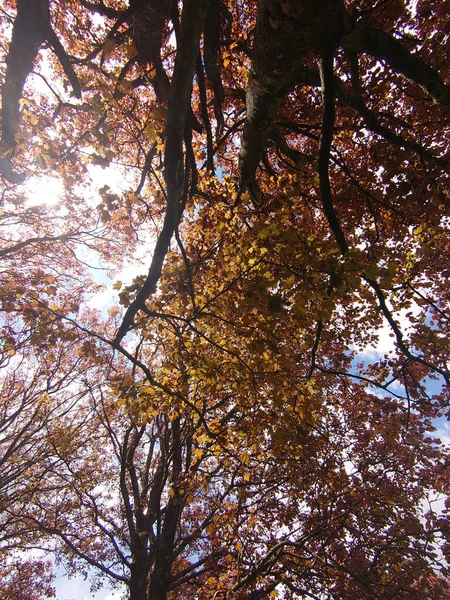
(224, 317)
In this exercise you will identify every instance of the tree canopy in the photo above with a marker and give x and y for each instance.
(224, 344)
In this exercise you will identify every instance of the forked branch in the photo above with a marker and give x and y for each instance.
(178, 111)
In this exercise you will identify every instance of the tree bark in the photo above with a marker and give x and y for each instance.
(385, 47)
(31, 28)
(139, 576)
(285, 32)
(161, 578)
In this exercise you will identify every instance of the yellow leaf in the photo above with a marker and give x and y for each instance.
(40, 161)
(150, 132)
(160, 112)
(245, 458)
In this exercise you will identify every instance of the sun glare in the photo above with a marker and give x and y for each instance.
(46, 191)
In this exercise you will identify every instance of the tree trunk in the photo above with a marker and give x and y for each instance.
(139, 576)
(285, 33)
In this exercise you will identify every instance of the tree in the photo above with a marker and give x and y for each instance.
(37, 396)
(287, 163)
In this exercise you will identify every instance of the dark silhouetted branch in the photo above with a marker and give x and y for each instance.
(383, 46)
(179, 106)
(326, 139)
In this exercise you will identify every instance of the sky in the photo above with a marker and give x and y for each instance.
(78, 589)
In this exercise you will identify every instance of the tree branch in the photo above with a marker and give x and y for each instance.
(30, 241)
(285, 32)
(149, 21)
(63, 58)
(179, 105)
(398, 334)
(383, 46)
(31, 28)
(326, 139)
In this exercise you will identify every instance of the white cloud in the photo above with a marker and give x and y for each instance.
(108, 296)
(386, 339)
(77, 588)
(443, 431)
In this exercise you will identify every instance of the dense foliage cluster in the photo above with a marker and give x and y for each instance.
(224, 346)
